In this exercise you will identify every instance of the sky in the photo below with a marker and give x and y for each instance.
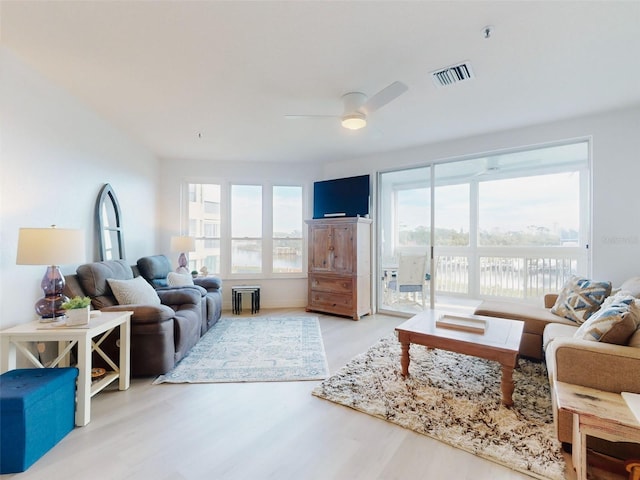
(507, 205)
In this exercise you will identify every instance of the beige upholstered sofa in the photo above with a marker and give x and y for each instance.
(535, 317)
(604, 366)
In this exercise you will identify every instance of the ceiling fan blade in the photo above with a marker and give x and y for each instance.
(384, 96)
(297, 117)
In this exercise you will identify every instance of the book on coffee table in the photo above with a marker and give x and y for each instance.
(461, 322)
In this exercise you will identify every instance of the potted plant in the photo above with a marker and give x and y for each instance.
(194, 273)
(77, 310)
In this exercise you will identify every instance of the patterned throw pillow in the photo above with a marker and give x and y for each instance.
(175, 279)
(615, 322)
(133, 292)
(579, 298)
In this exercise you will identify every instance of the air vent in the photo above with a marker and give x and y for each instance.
(453, 74)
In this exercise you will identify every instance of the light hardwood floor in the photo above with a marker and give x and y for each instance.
(254, 431)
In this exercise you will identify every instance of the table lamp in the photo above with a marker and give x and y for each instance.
(183, 244)
(53, 247)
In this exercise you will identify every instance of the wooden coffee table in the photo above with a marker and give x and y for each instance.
(500, 342)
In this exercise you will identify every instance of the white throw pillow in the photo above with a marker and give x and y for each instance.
(632, 286)
(175, 279)
(133, 292)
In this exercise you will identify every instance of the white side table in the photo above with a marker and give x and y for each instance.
(16, 338)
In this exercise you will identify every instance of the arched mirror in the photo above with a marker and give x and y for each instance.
(109, 224)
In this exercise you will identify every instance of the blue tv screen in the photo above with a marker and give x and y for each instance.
(342, 197)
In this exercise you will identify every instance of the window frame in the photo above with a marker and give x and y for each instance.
(303, 245)
(267, 225)
(581, 251)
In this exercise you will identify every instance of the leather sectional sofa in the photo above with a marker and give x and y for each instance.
(161, 333)
(156, 268)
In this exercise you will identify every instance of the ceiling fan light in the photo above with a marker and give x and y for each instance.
(354, 121)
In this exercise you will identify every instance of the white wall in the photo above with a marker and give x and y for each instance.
(616, 176)
(274, 293)
(55, 155)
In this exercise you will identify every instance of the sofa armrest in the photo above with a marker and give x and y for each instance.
(144, 313)
(604, 366)
(179, 296)
(550, 300)
(209, 283)
(198, 288)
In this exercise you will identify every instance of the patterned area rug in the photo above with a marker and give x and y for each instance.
(455, 399)
(257, 349)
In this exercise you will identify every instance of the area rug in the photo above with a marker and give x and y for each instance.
(256, 349)
(455, 399)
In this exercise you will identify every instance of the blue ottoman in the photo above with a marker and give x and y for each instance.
(37, 409)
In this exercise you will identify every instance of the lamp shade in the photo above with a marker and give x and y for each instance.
(50, 246)
(183, 244)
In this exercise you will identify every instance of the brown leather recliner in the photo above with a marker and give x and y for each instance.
(161, 335)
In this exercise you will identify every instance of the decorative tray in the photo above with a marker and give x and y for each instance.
(97, 373)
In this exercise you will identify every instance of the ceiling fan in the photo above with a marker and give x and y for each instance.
(357, 106)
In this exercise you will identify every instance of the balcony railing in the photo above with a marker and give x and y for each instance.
(526, 277)
(523, 276)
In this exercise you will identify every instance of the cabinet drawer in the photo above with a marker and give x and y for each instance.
(332, 301)
(324, 283)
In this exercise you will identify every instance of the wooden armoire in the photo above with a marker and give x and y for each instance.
(340, 266)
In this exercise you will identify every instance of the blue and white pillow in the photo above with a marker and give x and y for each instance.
(614, 322)
(580, 298)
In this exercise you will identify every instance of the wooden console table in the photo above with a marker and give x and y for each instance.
(18, 338)
(598, 414)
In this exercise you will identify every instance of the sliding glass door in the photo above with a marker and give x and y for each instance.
(510, 225)
(404, 240)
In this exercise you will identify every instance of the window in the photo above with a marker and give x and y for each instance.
(247, 230)
(211, 229)
(204, 225)
(413, 207)
(287, 229)
(452, 215)
(543, 210)
(212, 208)
(511, 224)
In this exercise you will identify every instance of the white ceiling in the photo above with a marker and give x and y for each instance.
(166, 72)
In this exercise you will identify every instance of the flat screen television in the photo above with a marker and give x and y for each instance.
(341, 197)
